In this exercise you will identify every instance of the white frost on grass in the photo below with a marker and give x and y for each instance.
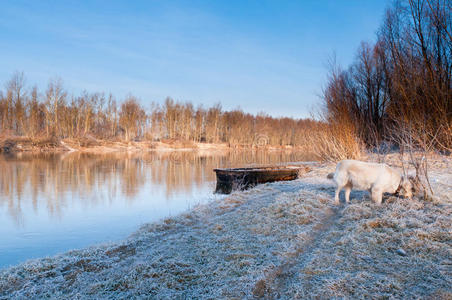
(283, 240)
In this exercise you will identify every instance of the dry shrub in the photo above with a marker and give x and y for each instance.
(11, 143)
(45, 141)
(7, 146)
(335, 141)
(417, 142)
(14, 143)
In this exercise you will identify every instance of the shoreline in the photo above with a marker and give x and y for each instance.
(283, 239)
(92, 145)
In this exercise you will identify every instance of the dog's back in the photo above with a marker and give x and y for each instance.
(378, 178)
(362, 175)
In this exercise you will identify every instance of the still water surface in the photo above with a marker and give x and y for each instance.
(57, 202)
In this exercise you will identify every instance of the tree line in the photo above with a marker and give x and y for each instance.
(54, 113)
(400, 86)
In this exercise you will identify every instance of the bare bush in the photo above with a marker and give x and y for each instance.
(416, 145)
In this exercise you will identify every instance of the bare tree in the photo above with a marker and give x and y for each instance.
(55, 99)
(131, 118)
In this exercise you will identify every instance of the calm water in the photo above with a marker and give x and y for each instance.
(54, 203)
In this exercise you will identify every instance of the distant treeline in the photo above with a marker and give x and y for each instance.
(54, 113)
(399, 88)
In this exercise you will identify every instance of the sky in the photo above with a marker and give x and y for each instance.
(260, 56)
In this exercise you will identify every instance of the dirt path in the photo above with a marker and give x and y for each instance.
(304, 254)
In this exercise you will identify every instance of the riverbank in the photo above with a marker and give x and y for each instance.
(90, 144)
(283, 239)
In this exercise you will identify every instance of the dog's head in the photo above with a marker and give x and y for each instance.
(409, 186)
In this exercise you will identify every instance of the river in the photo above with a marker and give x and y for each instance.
(52, 203)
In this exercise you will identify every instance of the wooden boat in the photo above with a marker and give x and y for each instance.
(229, 180)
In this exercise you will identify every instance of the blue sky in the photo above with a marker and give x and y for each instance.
(261, 56)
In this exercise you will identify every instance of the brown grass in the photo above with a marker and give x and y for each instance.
(335, 142)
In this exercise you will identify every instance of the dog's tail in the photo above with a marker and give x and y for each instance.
(330, 176)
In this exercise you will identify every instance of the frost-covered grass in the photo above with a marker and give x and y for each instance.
(280, 240)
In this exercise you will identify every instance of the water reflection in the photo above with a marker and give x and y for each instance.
(27, 177)
(75, 199)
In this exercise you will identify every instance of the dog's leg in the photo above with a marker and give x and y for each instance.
(336, 196)
(348, 189)
(377, 196)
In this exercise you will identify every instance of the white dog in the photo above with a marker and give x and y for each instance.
(376, 178)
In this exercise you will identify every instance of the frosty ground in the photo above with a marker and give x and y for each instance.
(279, 240)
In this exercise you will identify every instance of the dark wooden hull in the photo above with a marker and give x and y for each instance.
(229, 180)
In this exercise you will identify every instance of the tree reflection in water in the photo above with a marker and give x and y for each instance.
(59, 179)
